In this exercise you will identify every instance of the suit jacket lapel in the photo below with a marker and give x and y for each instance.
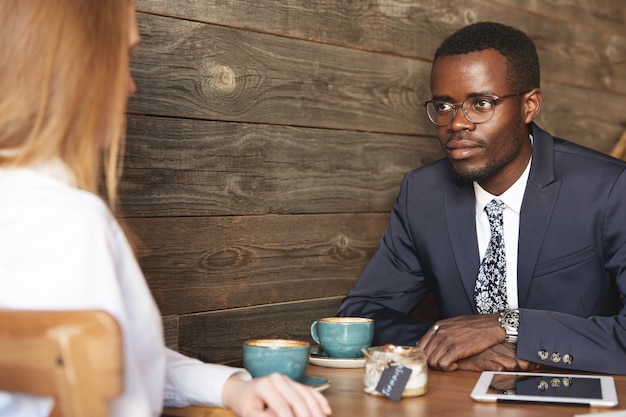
(539, 199)
(460, 212)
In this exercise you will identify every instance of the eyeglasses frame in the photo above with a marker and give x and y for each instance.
(496, 99)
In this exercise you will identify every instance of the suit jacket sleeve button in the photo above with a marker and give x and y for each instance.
(542, 354)
(568, 359)
(556, 357)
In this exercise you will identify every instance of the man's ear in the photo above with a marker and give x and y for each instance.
(531, 104)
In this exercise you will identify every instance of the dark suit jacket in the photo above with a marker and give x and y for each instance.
(571, 258)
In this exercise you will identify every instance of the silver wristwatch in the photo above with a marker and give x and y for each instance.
(509, 321)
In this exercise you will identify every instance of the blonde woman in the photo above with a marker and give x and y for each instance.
(64, 83)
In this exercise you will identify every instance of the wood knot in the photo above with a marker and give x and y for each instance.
(470, 17)
(342, 249)
(343, 241)
(227, 258)
(224, 79)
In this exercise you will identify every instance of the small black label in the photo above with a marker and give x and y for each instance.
(393, 380)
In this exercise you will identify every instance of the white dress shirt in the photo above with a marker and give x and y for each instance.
(61, 248)
(513, 198)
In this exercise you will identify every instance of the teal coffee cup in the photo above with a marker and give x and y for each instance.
(343, 337)
(262, 357)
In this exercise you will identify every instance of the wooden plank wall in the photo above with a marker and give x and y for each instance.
(268, 138)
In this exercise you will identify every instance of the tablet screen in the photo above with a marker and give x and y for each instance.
(596, 390)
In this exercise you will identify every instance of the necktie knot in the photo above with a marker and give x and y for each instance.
(494, 209)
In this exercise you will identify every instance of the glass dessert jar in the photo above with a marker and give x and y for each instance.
(379, 358)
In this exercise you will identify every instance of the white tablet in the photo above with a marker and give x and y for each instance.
(589, 390)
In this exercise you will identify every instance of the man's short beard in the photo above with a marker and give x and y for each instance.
(480, 174)
(488, 171)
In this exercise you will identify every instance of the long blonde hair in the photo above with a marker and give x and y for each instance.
(63, 86)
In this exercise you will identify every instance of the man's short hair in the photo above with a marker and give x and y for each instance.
(516, 47)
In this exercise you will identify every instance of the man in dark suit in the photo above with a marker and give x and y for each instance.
(548, 288)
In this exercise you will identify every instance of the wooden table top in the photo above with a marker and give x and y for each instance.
(448, 395)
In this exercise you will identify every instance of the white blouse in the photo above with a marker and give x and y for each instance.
(61, 248)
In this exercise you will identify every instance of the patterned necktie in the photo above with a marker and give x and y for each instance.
(490, 290)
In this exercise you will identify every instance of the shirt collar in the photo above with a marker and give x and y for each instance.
(512, 197)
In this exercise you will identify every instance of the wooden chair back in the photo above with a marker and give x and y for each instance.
(76, 357)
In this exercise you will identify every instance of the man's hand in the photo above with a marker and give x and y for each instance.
(497, 358)
(451, 340)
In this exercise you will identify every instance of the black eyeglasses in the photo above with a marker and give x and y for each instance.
(478, 109)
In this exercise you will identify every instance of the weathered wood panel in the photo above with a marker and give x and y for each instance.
(580, 43)
(391, 26)
(600, 15)
(593, 119)
(193, 70)
(178, 167)
(170, 331)
(218, 336)
(599, 63)
(212, 263)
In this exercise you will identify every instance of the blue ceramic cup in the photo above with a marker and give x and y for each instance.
(262, 357)
(343, 337)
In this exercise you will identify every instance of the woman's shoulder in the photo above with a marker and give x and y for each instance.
(41, 198)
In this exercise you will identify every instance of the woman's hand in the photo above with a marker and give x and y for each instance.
(275, 395)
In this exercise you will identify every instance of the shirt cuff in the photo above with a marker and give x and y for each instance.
(192, 382)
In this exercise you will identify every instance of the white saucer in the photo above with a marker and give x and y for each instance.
(319, 384)
(320, 359)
